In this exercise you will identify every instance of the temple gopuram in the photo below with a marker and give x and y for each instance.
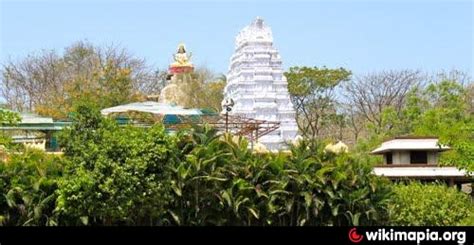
(256, 84)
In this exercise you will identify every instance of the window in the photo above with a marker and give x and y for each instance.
(388, 158)
(418, 157)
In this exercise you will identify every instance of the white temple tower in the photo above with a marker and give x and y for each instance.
(256, 83)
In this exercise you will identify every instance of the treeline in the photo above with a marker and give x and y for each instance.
(51, 83)
(113, 175)
(361, 110)
(365, 110)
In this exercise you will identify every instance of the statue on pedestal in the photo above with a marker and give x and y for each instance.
(182, 61)
(174, 91)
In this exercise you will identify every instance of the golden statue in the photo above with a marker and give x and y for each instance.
(181, 58)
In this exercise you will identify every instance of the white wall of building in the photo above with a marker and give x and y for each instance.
(403, 157)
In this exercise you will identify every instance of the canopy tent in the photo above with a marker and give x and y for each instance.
(153, 111)
(152, 107)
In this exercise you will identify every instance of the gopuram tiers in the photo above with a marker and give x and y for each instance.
(256, 84)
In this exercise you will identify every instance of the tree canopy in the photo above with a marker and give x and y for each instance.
(312, 93)
(51, 84)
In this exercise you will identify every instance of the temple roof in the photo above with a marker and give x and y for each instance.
(30, 118)
(256, 31)
(394, 171)
(151, 107)
(410, 143)
(34, 122)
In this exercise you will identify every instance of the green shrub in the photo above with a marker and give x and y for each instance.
(28, 182)
(219, 181)
(113, 175)
(138, 176)
(430, 204)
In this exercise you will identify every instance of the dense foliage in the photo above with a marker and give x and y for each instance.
(367, 109)
(444, 110)
(28, 182)
(199, 89)
(441, 109)
(223, 183)
(7, 117)
(312, 93)
(113, 174)
(124, 175)
(116, 175)
(430, 205)
(51, 83)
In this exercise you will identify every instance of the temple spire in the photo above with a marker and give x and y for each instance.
(259, 22)
(257, 85)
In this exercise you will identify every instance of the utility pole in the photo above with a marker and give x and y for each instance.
(226, 121)
(229, 103)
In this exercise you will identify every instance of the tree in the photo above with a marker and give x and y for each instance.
(152, 83)
(7, 117)
(442, 109)
(312, 92)
(28, 184)
(470, 97)
(113, 175)
(370, 96)
(50, 84)
(144, 176)
(355, 122)
(215, 93)
(200, 89)
(433, 204)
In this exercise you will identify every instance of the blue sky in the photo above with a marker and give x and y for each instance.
(363, 36)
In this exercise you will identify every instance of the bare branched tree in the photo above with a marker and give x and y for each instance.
(369, 95)
(46, 79)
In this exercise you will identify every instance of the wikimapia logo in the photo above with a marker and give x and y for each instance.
(354, 237)
(459, 237)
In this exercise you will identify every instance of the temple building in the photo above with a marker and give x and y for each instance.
(257, 86)
(416, 158)
(34, 131)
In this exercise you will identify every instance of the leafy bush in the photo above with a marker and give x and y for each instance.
(7, 117)
(430, 204)
(223, 183)
(138, 176)
(124, 175)
(28, 182)
(113, 174)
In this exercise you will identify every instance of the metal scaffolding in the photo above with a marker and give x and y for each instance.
(250, 128)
